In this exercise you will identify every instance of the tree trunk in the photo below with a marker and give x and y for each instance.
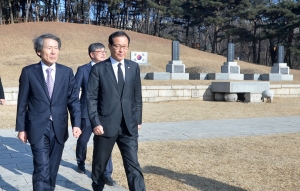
(254, 57)
(89, 8)
(156, 30)
(57, 11)
(1, 14)
(272, 49)
(187, 31)
(287, 57)
(214, 42)
(147, 21)
(259, 51)
(11, 12)
(27, 10)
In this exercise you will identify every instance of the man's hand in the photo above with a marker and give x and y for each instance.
(139, 127)
(98, 130)
(76, 132)
(22, 135)
(2, 101)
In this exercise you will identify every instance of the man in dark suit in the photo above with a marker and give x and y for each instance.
(47, 91)
(97, 54)
(114, 101)
(2, 96)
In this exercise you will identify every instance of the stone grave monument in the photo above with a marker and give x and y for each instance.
(175, 66)
(175, 70)
(230, 69)
(280, 70)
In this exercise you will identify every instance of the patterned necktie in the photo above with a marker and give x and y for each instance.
(50, 82)
(120, 79)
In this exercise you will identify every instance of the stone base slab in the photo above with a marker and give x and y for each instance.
(144, 75)
(198, 76)
(231, 68)
(280, 68)
(158, 76)
(225, 76)
(179, 76)
(251, 76)
(175, 67)
(240, 87)
(276, 77)
(252, 97)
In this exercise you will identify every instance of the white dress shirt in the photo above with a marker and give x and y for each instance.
(115, 67)
(45, 67)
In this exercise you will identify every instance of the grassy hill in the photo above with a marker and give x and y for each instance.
(16, 51)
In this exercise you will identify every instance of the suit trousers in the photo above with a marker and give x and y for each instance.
(47, 155)
(128, 146)
(81, 147)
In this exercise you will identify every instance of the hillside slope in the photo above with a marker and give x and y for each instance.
(16, 51)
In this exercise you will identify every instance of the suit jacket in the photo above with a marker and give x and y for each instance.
(1, 91)
(106, 105)
(35, 106)
(81, 78)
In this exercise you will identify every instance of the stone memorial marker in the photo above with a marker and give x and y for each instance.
(280, 54)
(279, 71)
(230, 52)
(175, 50)
(230, 66)
(175, 67)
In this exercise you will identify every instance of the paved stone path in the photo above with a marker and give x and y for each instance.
(16, 159)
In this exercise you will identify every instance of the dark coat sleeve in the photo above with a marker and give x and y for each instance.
(1, 91)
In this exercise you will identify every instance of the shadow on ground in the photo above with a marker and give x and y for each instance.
(16, 167)
(198, 182)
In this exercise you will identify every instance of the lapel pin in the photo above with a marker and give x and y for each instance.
(128, 67)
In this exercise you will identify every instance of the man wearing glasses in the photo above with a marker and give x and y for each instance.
(97, 54)
(114, 100)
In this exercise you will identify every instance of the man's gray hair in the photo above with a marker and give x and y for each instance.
(39, 41)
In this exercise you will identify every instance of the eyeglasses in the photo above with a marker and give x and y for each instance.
(118, 47)
(101, 52)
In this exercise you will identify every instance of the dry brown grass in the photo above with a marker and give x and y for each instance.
(16, 51)
(241, 163)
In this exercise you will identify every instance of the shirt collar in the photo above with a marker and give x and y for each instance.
(114, 62)
(93, 63)
(44, 66)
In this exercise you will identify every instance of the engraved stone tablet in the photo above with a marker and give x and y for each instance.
(195, 93)
(234, 69)
(175, 50)
(230, 52)
(178, 69)
(280, 54)
(284, 70)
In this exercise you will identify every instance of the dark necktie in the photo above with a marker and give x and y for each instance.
(50, 82)
(120, 78)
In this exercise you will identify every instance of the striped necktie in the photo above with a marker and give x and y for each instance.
(49, 82)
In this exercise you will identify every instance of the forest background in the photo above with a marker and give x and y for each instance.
(255, 27)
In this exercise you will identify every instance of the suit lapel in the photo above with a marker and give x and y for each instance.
(41, 78)
(89, 67)
(58, 79)
(128, 73)
(111, 73)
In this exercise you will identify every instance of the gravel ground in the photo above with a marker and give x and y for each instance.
(241, 163)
